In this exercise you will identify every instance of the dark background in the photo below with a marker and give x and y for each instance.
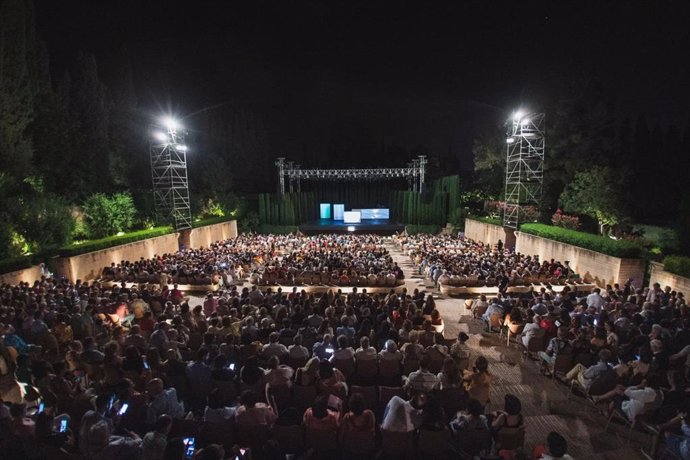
(363, 83)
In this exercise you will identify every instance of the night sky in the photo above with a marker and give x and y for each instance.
(426, 75)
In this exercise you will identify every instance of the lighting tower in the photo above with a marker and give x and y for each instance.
(169, 175)
(524, 165)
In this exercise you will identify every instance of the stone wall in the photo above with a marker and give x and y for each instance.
(489, 233)
(593, 266)
(27, 275)
(664, 278)
(203, 237)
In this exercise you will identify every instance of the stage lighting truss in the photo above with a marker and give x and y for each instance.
(524, 181)
(168, 155)
(414, 172)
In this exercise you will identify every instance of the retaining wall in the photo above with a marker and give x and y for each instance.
(27, 275)
(664, 278)
(489, 233)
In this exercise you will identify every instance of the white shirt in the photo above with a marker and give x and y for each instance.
(595, 300)
(638, 398)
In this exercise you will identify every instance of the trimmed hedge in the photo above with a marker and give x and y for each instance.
(104, 243)
(277, 229)
(211, 221)
(486, 220)
(415, 229)
(13, 264)
(678, 265)
(605, 245)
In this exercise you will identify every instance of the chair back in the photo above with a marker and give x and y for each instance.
(394, 443)
(216, 433)
(389, 368)
(290, 438)
(367, 368)
(358, 443)
(368, 393)
(537, 342)
(296, 363)
(227, 391)
(322, 441)
(452, 400)
(282, 395)
(303, 397)
(474, 442)
(346, 366)
(563, 363)
(410, 365)
(511, 438)
(433, 442)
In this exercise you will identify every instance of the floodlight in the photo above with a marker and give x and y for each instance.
(525, 122)
(181, 148)
(171, 123)
(161, 136)
(510, 140)
(517, 115)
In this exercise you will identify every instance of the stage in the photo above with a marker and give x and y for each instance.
(376, 226)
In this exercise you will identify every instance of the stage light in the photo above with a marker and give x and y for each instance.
(350, 228)
(510, 140)
(525, 122)
(517, 115)
(161, 136)
(171, 123)
(181, 148)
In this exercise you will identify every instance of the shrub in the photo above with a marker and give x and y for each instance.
(415, 229)
(15, 263)
(210, 221)
(75, 249)
(487, 220)
(565, 221)
(249, 223)
(107, 215)
(496, 209)
(605, 245)
(45, 221)
(679, 265)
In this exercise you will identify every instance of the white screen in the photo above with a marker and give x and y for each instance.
(352, 217)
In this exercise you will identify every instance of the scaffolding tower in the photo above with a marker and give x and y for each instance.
(524, 165)
(169, 177)
(414, 172)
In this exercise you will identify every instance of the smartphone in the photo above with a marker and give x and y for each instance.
(123, 409)
(231, 366)
(242, 452)
(188, 447)
(330, 350)
(558, 324)
(112, 401)
(41, 407)
(63, 425)
(637, 357)
(146, 364)
(596, 321)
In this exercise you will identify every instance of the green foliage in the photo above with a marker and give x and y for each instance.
(249, 223)
(596, 193)
(664, 239)
(683, 223)
(75, 249)
(211, 221)
(45, 221)
(13, 264)
(603, 244)
(490, 161)
(107, 215)
(416, 229)
(678, 265)
(565, 221)
(267, 229)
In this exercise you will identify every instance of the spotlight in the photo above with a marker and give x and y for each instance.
(181, 148)
(525, 122)
(517, 115)
(171, 123)
(510, 140)
(161, 136)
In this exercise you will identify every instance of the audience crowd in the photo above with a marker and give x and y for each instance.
(337, 260)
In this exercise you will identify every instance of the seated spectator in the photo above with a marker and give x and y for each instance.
(390, 352)
(585, 376)
(163, 401)
(297, 351)
(631, 401)
(509, 417)
(478, 381)
(320, 418)
(253, 413)
(556, 448)
(274, 348)
(309, 374)
(156, 441)
(358, 419)
(365, 352)
(278, 374)
(531, 327)
(331, 380)
(216, 411)
(472, 419)
(558, 344)
(422, 380)
(495, 308)
(460, 352)
(107, 446)
(404, 416)
(450, 376)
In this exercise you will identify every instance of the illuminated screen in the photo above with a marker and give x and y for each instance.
(374, 213)
(338, 210)
(325, 210)
(352, 217)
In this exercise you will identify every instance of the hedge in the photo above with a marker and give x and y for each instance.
(13, 264)
(486, 220)
(75, 249)
(415, 229)
(678, 265)
(605, 245)
(211, 221)
(267, 229)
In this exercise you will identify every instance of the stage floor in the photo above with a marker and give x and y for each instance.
(376, 226)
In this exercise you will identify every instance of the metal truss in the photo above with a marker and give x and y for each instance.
(414, 172)
(169, 178)
(524, 165)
